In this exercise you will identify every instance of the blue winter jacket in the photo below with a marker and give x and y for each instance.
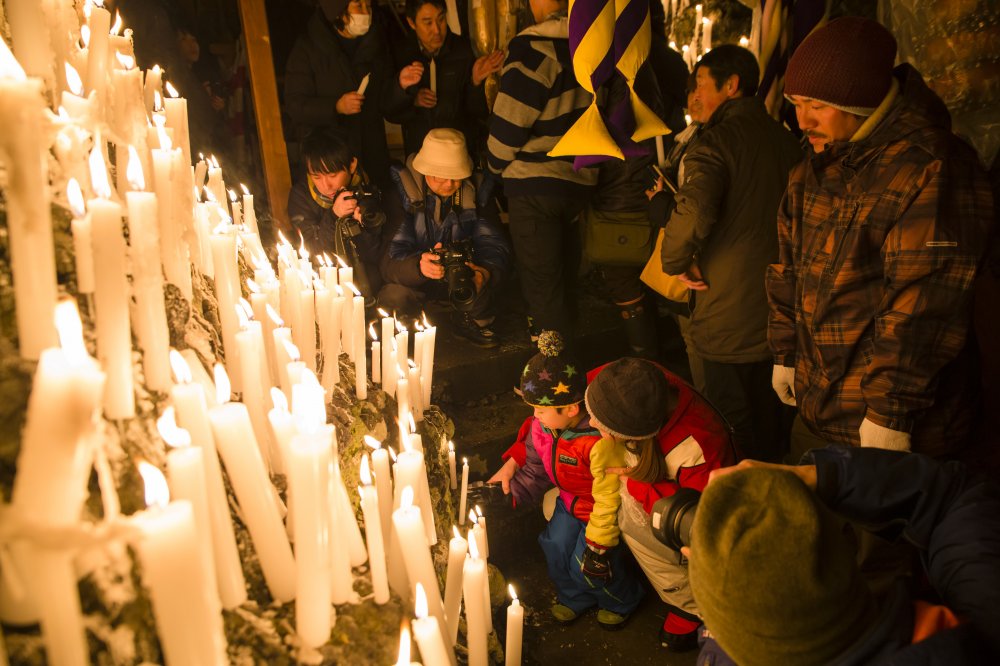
(952, 518)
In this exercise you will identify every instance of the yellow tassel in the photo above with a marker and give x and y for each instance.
(647, 123)
(587, 136)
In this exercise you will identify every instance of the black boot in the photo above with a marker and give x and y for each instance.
(640, 328)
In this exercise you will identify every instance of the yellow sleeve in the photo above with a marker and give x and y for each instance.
(602, 529)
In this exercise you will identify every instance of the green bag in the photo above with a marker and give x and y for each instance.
(617, 239)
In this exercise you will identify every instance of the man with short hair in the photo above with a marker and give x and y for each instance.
(455, 96)
(721, 236)
(446, 242)
(882, 232)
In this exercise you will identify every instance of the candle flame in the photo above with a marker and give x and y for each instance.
(70, 330)
(385, 315)
(473, 547)
(426, 323)
(133, 171)
(85, 35)
(409, 362)
(278, 399)
(125, 60)
(673, 45)
(420, 603)
(278, 321)
(182, 371)
(88, 8)
(75, 196)
(165, 142)
(366, 475)
(451, 446)
(241, 315)
(465, 462)
(291, 350)
(117, 27)
(687, 118)
(170, 432)
(303, 252)
(232, 195)
(454, 528)
(252, 286)
(413, 424)
(479, 512)
(473, 518)
(169, 87)
(417, 325)
(223, 389)
(214, 161)
(157, 101)
(744, 42)
(404, 646)
(392, 454)
(343, 264)
(399, 326)
(511, 591)
(98, 172)
(371, 331)
(684, 49)
(354, 289)
(157, 493)
(73, 80)
(697, 8)
(706, 21)
(406, 498)
(372, 442)
(246, 192)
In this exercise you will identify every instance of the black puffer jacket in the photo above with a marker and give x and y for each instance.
(460, 105)
(322, 67)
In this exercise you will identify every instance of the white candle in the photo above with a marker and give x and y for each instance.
(409, 530)
(250, 344)
(331, 353)
(484, 540)
(241, 455)
(111, 298)
(427, 363)
(29, 220)
(402, 396)
(364, 84)
(79, 107)
(473, 576)
(452, 472)
(347, 320)
(383, 483)
(360, 357)
(373, 534)
(433, 76)
(476, 535)
(152, 86)
(706, 35)
(342, 529)
(227, 290)
(515, 628)
(187, 612)
(428, 632)
(309, 464)
(29, 32)
(50, 487)
(304, 329)
(465, 491)
(660, 158)
(98, 51)
(458, 548)
(249, 215)
(413, 377)
(167, 165)
(216, 185)
(388, 329)
(192, 414)
(376, 362)
(411, 470)
(147, 279)
(83, 249)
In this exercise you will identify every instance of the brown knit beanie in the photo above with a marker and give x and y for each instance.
(846, 64)
(630, 399)
(772, 573)
(552, 378)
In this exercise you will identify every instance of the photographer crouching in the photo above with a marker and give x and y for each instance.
(337, 210)
(446, 243)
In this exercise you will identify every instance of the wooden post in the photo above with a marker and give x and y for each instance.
(267, 109)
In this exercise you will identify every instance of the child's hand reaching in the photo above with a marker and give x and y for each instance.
(504, 475)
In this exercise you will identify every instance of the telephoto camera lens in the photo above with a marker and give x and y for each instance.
(672, 517)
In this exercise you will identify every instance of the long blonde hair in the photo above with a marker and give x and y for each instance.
(651, 466)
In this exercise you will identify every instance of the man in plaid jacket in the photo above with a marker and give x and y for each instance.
(881, 233)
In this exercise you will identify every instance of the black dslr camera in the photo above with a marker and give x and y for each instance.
(457, 274)
(672, 517)
(369, 203)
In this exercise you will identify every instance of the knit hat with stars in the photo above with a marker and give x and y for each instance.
(552, 378)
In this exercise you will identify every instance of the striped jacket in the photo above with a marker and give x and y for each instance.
(539, 100)
(880, 239)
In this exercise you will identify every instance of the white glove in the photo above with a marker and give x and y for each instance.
(783, 381)
(879, 437)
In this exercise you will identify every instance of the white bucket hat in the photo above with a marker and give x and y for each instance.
(444, 155)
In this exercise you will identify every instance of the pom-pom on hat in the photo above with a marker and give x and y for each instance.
(444, 155)
(552, 378)
(846, 64)
(772, 573)
(630, 399)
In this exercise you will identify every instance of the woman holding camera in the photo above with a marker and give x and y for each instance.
(443, 245)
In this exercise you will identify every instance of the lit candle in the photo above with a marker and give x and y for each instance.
(147, 279)
(250, 344)
(249, 215)
(484, 542)
(411, 470)
(465, 491)
(50, 487)
(473, 576)
(152, 86)
(29, 219)
(241, 455)
(227, 290)
(79, 108)
(347, 319)
(376, 356)
(216, 185)
(428, 632)
(360, 357)
(452, 472)
(304, 328)
(413, 377)
(515, 628)
(458, 548)
(373, 533)
(167, 165)
(111, 298)
(404, 647)
(309, 464)
(176, 109)
(388, 377)
(476, 534)
(383, 482)
(706, 35)
(185, 607)
(345, 540)
(331, 352)
(82, 245)
(99, 47)
(409, 530)
(427, 363)
(402, 395)
(191, 407)
(258, 303)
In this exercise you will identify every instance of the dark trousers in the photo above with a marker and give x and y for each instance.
(409, 301)
(546, 238)
(743, 393)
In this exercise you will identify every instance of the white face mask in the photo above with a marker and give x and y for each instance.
(359, 24)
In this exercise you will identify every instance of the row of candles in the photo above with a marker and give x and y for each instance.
(187, 546)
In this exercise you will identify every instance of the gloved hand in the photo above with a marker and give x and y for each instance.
(783, 382)
(879, 437)
(596, 564)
